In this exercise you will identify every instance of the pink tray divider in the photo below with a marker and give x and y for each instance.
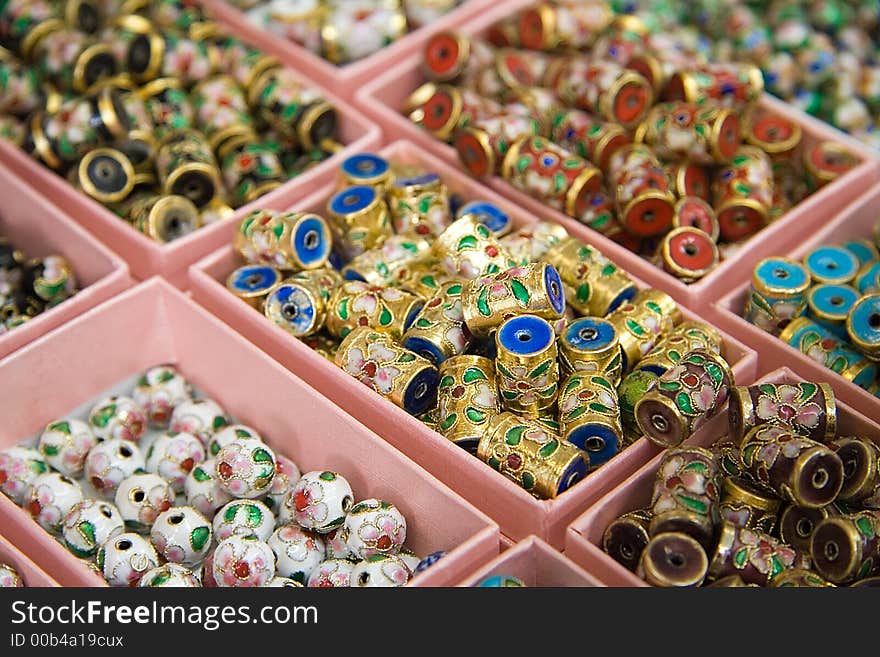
(146, 257)
(584, 536)
(536, 564)
(30, 572)
(518, 513)
(346, 79)
(61, 371)
(382, 99)
(39, 229)
(855, 221)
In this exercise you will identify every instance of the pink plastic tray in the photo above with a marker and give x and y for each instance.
(383, 98)
(30, 572)
(145, 257)
(536, 564)
(855, 221)
(518, 513)
(154, 323)
(39, 229)
(346, 79)
(584, 537)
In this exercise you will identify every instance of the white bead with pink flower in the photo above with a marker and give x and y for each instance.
(19, 466)
(124, 559)
(111, 461)
(228, 434)
(140, 499)
(287, 475)
(203, 489)
(173, 456)
(283, 582)
(321, 500)
(243, 561)
(9, 577)
(380, 570)
(243, 517)
(246, 468)
(200, 417)
(332, 573)
(65, 445)
(182, 535)
(118, 417)
(50, 498)
(158, 391)
(374, 526)
(298, 552)
(171, 575)
(89, 524)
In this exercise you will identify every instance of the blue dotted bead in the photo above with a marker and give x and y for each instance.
(429, 561)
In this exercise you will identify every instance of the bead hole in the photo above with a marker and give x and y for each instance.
(781, 273)
(106, 512)
(289, 311)
(849, 467)
(67, 480)
(691, 249)
(820, 478)
(421, 390)
(175, 520)
(523, 336)
(138, 496)
(594, 444)
(252, 281)
(836, 301)
(804, 528)
(346, 503)
(588, 333)
(660, 423)
(573, 478)
(123, 545)
(832, 551)
(311, 240)
(675, 559)
(554, 288)
(363, 579)
(627, 552)
(125, 451)
(874, 320)
(649, 216)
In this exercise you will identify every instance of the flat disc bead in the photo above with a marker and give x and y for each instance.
(864, 250)
(244, 517)
(688, 253)
(243, 561)
(19, 466)
(66, 444)
(50, 498)
(831, 264)
(863, 326)
(140, 499)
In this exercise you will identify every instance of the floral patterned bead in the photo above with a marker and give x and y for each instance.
(380, 570)
(337, 547)
(118, 417)
(111, 461)
(374, 527)
(244, 561)
(10, 579)
(357, 28)
(50, 498)
(203, 490)
(159, 391)
(428, 561)
(244, 517)
(66, 444)
(173, 455)
(126, 558)
(410, 558)
(298, 552)
(169, 575)
(287, 475)
(806, 408)
(284, 582)
(19, 466)
(332, 573)
(321, 500)
(754, 556)
(89, 524)
(229, 434)
(140, 499)
(246, 467)
(182, 534)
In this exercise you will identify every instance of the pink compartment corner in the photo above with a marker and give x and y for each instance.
(854, 221)
(146, 257)
(344, 80)
(382, 98)
(518, 513)
(584, 536)
(168, 327)
(39, 229)
(30, 573)
(536, 564)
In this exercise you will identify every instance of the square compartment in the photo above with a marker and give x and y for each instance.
(518, 513)
(154, 323)
(584, 537)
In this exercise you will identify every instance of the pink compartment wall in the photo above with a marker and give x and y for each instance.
(31, 573)
(583, 539)
(856, 220)
(536, 564)
(144, 256)
(383, 98)
(517, 512)
(39, 229)
(344, 80)
(154, 323)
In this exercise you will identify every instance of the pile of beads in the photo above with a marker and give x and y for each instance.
(510, 343)
(153, 110)
(827, 307)
(30, 286)
(560, 102)
(820, 56)
(9, 577)
(783, 500)
(344, 31)
(160, 489)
